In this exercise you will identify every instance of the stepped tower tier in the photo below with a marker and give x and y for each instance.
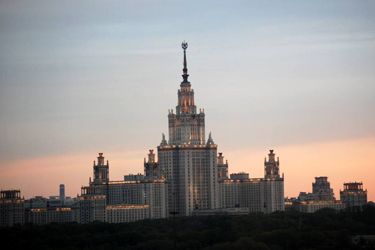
(187, 125)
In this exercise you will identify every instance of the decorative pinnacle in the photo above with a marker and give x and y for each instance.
(185, 75)
(184, 45)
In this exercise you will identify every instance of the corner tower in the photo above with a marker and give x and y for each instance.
(273, 185)
(271, 167)
(101, 170)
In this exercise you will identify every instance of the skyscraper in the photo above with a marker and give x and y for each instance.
(188, 161)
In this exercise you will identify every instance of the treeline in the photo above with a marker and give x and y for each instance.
(325, 229)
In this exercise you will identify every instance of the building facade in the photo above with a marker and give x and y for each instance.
(321, 191)
(313, 206)
(353, 194)
(135, 190)
(12, 208)
(322, 196)
(91, 206)
(127, 213)
(41, 216)
(259, 195)
(187, 160)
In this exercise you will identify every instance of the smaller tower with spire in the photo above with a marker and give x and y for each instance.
(101, 170)
(271, 167)
(222, 167)
(163, 141)
(151, 167)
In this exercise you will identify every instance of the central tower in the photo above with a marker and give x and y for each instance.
(186, 126)
(188, 162)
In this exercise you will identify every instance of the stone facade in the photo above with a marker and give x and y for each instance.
(127, 213)
(353, 194)
(260, 195)
(321, 191)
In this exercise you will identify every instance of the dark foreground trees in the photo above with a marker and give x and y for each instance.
(325, 229)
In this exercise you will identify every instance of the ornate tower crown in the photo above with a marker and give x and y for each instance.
(185, 75)
(184, 45)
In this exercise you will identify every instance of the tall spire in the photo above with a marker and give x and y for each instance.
(185, 75)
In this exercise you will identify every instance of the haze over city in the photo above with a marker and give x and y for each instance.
(81, 78)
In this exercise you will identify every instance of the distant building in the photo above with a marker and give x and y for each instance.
(322, 196)
(36, 202)
(353, 194)
(289, 203)
(41, 216)
(62, 191)
(273, 185)
(313, 206)
(56, 201)
(119, 195)
(222, 211)
(127, 213)
(248, 193)
(12, 209)
(264, 195)
(222, 168)
(91, 205)
(322, 191)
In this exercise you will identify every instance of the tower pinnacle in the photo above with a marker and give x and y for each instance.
(185, 75)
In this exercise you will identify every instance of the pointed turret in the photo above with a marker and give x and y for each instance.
(163, 141)
(210, 141)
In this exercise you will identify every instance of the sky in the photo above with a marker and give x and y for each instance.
(82, 77)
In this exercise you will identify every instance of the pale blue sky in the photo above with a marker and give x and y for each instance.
(93, 76)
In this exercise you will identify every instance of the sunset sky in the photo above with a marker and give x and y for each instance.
(82, 77)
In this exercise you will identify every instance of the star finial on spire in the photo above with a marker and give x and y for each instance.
(185, 75)
(184, 45)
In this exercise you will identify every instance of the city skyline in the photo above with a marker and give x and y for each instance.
(112, 94)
